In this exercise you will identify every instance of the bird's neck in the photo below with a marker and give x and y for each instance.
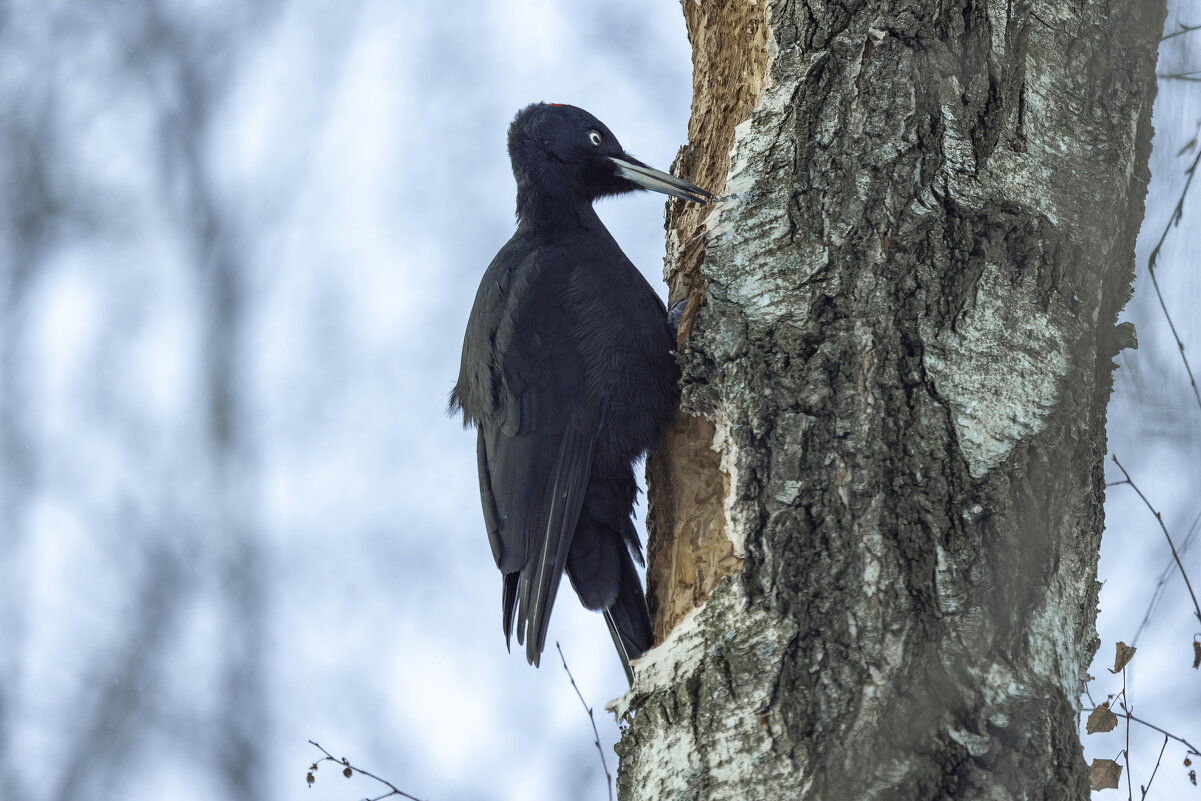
(543, 211)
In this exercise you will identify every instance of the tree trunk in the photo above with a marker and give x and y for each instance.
(874, 544)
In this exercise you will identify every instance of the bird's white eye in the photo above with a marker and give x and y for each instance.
(594, 137)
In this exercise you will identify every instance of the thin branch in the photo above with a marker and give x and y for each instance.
(1183, 30)
(1126, 709)
(1165, 575)
(1173, 221)
(349, 769)
(1192, 749)
(1155, 770)
(596, 734)
(1159, 518)
(1178, 76)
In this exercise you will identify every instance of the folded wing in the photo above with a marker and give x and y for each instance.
(534, 450)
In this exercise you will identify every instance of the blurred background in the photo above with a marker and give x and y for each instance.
(238, 246)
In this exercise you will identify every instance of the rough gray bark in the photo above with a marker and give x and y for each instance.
(905, 348)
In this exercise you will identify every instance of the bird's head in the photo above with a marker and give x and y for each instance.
(564, 152)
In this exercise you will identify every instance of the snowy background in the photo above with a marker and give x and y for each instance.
(238, 246)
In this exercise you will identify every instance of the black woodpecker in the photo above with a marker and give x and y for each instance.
(569, 378)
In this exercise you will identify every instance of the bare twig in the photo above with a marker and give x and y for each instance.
(1165, 575)
(1154, 770)
(1183, 30)
(349, 769)
(1126, 709)
(1192, 749)
(1173, 221)
(1159, 518)
(592, 718)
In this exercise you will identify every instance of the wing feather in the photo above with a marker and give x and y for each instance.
(536, 434)
(564, 497)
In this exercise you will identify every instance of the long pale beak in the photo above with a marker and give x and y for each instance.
(657, 181)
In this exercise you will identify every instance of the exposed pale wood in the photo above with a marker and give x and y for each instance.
(689, 550)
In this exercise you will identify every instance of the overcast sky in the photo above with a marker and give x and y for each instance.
(356, 151)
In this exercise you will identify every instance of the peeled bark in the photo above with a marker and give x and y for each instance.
(897, 359)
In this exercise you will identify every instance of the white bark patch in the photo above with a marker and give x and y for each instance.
(749, 238)
(998, 369)
(736, 517)
(677, 656)
(1057, 648)
(684, 746)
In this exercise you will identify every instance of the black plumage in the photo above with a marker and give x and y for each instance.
(568, 376)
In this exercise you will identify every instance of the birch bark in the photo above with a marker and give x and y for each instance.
(875, 527)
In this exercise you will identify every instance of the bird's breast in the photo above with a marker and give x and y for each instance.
(630, 372)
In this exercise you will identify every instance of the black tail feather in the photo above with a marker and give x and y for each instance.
(509, 607)
(620, 645)
(629, 623)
